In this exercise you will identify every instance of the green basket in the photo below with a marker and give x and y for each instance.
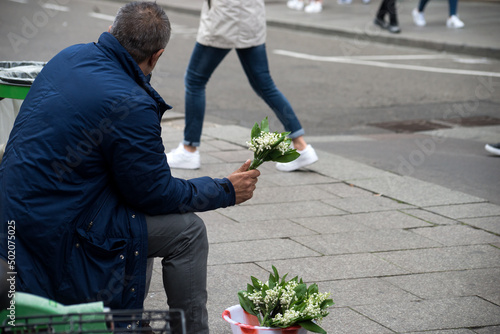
(16, 78)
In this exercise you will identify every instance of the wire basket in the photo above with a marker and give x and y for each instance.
(124, 321)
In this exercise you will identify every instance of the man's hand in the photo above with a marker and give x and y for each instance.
(244, 181)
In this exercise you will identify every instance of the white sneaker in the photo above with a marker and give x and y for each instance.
(314, 7)
(295, 4)
(183, 159)
(454, 22)
(493, 148)
(307, 157)
(418, 18)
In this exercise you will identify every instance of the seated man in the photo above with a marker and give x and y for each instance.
(86, 183)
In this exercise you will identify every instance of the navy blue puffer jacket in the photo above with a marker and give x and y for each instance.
(83, 164)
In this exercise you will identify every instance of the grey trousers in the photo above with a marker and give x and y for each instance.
(181, 240)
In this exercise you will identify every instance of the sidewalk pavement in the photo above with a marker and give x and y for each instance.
(398, 255)
(479, 37)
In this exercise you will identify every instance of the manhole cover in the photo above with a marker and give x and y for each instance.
(474, 121)
(410, 126)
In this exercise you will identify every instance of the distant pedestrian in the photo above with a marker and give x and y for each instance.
(388, 8)
(314, 6)
(224, 25)
(493, 148)
(452, 22)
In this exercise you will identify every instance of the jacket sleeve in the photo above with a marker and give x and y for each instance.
(136, 159)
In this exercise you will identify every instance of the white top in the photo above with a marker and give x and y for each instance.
(232, 24)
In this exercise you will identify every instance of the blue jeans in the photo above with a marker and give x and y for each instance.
(204, 60)
(452, 6)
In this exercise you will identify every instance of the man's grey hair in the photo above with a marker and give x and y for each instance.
(142, 28)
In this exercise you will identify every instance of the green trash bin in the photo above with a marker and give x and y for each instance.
(16, 78)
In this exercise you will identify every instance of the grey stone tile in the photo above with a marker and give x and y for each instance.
(365, 241)
(433, 314)
(257, 250)
(245, 213)
(295, 178)
(387, 220)
(364, 291)
(447, 331)
(346, 321)
(475, 282)
(447, 258)
(491, 224)
(473, 210)
(366, 204)
(487, 330)
(231, 133)
(422, 193)
(288, 194)
(327, 268)
(343, 190)
(344, 169)
(332, 224)
(227, 230)
(494, 298)
(233, 156)
(221, 145)
(455, 235)
(430, 217)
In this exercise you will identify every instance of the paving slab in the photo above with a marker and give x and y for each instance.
(422, 194)
(365, 241)
(346, 321)
(331, 224)
(430, 217)
(365, 291)
(468, 210)
(292, 193)
(281, 211)
(326, 268)
(226, 230)
(491, 224)
(444, 259)
(366, 204)
(474, 282)
(456, 235)
(257, 250)
(388, 220)
(433, 314)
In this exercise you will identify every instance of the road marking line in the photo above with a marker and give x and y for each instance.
(55, 7)
(354, 61)
(19, 1)
(102, 16)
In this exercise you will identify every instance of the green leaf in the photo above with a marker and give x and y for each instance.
(287, 157)
(326, 303)
(264, 125)
(313, 288)
(246, 303)
(300, 291)
(256, 283)
(312, 327)
(255, 131)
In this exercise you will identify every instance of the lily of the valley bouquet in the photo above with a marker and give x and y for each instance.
(281, 303)
(270, 146)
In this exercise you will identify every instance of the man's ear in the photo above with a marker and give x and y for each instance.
(154, 58)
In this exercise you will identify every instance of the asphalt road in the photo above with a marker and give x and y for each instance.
(343, 104)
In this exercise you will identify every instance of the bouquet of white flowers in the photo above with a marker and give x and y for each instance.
(270, 146)
(281, 303)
